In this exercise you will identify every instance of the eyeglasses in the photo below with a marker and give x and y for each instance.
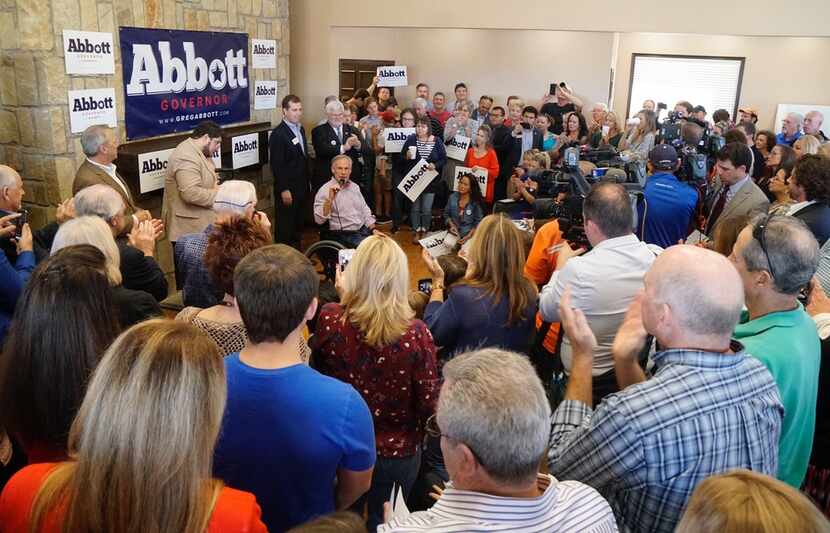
(758, 234)
(433, 430)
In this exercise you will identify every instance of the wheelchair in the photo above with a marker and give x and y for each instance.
(323, 254)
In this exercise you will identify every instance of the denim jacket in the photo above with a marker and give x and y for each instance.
(468, 219)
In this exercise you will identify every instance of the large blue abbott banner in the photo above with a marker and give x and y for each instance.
(174, 79)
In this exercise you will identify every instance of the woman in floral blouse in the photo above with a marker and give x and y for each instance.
(372, 341)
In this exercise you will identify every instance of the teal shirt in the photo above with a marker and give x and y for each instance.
(788, 345)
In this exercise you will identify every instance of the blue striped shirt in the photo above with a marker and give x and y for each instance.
(563, 507)
(647, 447)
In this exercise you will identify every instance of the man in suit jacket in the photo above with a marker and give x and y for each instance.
(101, 148)
(333, 138)
(810, 188)
(524, 137)
(139, 269)
(191, 183)
(736, 195)
(289, 164)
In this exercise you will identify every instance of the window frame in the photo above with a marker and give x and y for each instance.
(741, 60)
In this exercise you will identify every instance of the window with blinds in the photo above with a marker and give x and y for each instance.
(713, 82)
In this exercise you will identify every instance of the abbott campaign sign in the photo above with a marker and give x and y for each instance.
(414, 183)
(152, 167)
(265, 95)
(91, 106)
(245, 150)
(394, 139)
(174, 79)
(88, 52)
(263, 53)
(392, 76)
(480, 176)
(457, 147)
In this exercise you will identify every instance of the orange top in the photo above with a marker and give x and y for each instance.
(491, 162)
(539, 267)
(235, 511)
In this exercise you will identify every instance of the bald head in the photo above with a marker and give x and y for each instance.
(812, 122)
(701, 288)
(9, 177)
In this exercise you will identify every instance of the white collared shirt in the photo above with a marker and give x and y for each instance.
(795, 208)
(603, 284)
(564, 506)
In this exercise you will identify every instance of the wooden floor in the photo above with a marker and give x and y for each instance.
(417, 268)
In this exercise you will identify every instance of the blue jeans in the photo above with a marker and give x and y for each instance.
(421, 216)
(388, 470)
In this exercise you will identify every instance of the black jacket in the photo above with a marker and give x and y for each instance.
(288, 162)
(514, 155)
(327, 146)
(141, 273)
(817, 218)
(134, 306)
(41, 242)
(438, 157)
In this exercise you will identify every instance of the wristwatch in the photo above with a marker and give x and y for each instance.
(438, 286)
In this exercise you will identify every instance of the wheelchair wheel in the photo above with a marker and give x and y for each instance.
(323, 255)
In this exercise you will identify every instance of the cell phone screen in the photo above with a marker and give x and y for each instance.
(552, 89)
(344, 256)
(425, 285)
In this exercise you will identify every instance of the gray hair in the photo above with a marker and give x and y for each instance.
(335, 106)
(493, 401)
(93, 138)
(8, 177)
(818, 115)
(601, 106)
(799, 118)
(94, 231)
(337, 158)
(329, 98)
(792, 249)
(419, 102)
(98, 200)
(234, 197)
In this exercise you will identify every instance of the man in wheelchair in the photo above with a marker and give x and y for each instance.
(340, 204)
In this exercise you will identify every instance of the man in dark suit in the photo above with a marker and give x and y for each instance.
(502, 144)
(289, 164)
(139, 269)
(100, 146)
(810, 188)
(333, 138)
(736, 195)
(523, 137)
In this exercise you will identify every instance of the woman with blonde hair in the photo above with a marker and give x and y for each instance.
(133, 306)
(494, 305)
(742, 501)
(140, 448)
(610, 134)
(806, 144)
(372, 341)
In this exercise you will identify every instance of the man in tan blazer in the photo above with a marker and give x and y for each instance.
(191, 182)
(100, 145)
(737, 195)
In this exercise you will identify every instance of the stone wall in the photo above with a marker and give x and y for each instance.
(34, 118)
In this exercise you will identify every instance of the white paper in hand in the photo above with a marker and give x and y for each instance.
(437, 243)
(399, 509)
(414, 183)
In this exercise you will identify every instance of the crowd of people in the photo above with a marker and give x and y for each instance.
(665, 369)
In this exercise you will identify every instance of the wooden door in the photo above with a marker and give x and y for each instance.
(358, 74)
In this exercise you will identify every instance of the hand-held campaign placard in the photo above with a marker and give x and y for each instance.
(263, 53)
(457, 147)
(414, 183)
(439, 243)
(88, 52)
(152, 168)
(265, 95)
(481, 178)
(91, 106)
(175, 79)
(394, 139)
(392, 76)
(245, 150)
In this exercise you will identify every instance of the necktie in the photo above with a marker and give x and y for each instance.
(717, 209)
(340, 134)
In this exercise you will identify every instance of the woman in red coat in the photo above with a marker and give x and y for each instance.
(141, 447)
(481, 156)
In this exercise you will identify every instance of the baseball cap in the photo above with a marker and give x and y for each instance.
(699, 108)
(663, 156)
(748, 111)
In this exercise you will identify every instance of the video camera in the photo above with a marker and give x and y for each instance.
(695, 159)
(570, 180)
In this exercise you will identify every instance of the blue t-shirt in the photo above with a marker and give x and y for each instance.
(668, 208)
(285, 433)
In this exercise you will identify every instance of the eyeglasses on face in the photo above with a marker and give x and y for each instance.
(433, 430)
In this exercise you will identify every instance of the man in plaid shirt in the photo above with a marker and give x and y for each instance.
(708, 408)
